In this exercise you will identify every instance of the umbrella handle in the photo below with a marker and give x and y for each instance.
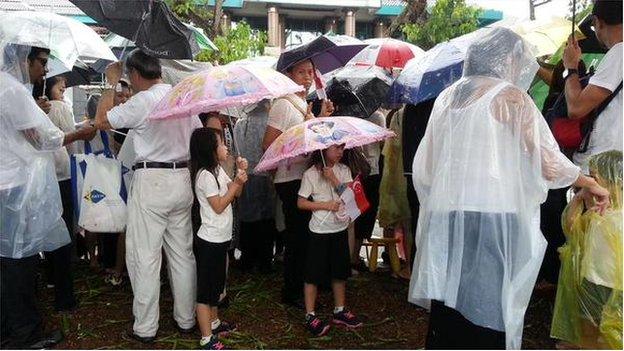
(573, 16)
(136, 34)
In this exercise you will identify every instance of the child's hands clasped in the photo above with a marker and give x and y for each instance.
(333, 206)
(241, 163)
(241, 176)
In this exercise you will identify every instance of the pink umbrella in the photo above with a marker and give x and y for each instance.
(386, 53)
(222, 87)
(318, 134)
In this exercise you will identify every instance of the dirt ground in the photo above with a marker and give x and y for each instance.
(105, 316)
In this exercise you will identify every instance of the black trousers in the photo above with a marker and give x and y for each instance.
(295, 239)
(107, 249)
(449, 330)
(21, 321)
(256, 243)
(414, 204)
(59, 265)
(550, 224)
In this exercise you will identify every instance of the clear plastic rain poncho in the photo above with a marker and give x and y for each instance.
(481, 171)
(30, 217)
(588, 308)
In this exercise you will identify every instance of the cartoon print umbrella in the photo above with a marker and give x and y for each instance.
(318, 134)
(223, 87)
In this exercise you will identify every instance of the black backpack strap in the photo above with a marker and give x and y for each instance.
(596, 114)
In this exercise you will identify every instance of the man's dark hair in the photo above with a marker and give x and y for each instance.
(147, 66)
(609, 11)
(34, 52)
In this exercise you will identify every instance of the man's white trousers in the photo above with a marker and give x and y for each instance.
(159, 216)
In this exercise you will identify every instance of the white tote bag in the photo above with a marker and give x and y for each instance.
(99, 192)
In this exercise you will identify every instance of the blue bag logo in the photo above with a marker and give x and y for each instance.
(94, 196)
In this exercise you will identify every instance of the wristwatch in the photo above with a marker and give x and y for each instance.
(568, 72)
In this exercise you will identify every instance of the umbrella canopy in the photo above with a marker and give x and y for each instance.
(424, 78)
(259, 61)
(545, 35)
(66, 38)
(386, 53)
(328, 52)
(357, 90)
(149, 23)
(222, 87)
(319, 134)
(80, 74)
(117, 43)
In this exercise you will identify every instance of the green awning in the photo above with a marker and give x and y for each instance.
(390, 10)
(489, 16)
(237, 4)
(84, 19)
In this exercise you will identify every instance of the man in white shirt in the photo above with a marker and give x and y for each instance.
(606, 133)
(159, 205)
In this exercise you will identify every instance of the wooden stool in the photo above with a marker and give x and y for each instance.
(390, 246)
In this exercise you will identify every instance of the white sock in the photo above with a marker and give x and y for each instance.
(204, 340)
(338, 309)
(216, 323)
(311, 314)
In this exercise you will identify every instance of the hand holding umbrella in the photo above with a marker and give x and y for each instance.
(114, 72)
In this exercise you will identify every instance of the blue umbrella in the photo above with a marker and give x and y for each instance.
(425, 77)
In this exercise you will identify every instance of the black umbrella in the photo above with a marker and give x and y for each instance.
(357, 91)
(79, 76)
(149, 23)
(328, 52)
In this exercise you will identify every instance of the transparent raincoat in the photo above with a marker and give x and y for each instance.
(481, 171)
(30, 202)
(588, 308)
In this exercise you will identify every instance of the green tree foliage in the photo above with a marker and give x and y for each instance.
(239, 43)
(448, 19)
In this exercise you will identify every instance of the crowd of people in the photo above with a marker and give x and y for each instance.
(461, 184)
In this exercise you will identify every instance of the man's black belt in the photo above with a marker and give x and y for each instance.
(168, 165)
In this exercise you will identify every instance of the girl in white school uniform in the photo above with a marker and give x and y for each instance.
(214, 191)
(328, 256)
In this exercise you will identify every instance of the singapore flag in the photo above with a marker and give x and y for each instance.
(354, 199)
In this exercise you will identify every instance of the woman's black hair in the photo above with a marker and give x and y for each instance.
(203, 151)
(290, 68)
(50, 83)
(317, 159)
(148, 67)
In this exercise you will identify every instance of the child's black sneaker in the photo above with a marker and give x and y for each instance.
(224, 329)
(316, 326)
(212, 344)
(346, 318)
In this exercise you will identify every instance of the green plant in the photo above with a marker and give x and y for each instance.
(239, 43)
(448, 19)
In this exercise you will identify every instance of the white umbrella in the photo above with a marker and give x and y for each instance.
(66, 38)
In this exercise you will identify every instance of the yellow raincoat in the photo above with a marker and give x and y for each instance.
(393, 204)
(588, 308)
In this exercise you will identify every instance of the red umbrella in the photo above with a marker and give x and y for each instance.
(387, 53)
